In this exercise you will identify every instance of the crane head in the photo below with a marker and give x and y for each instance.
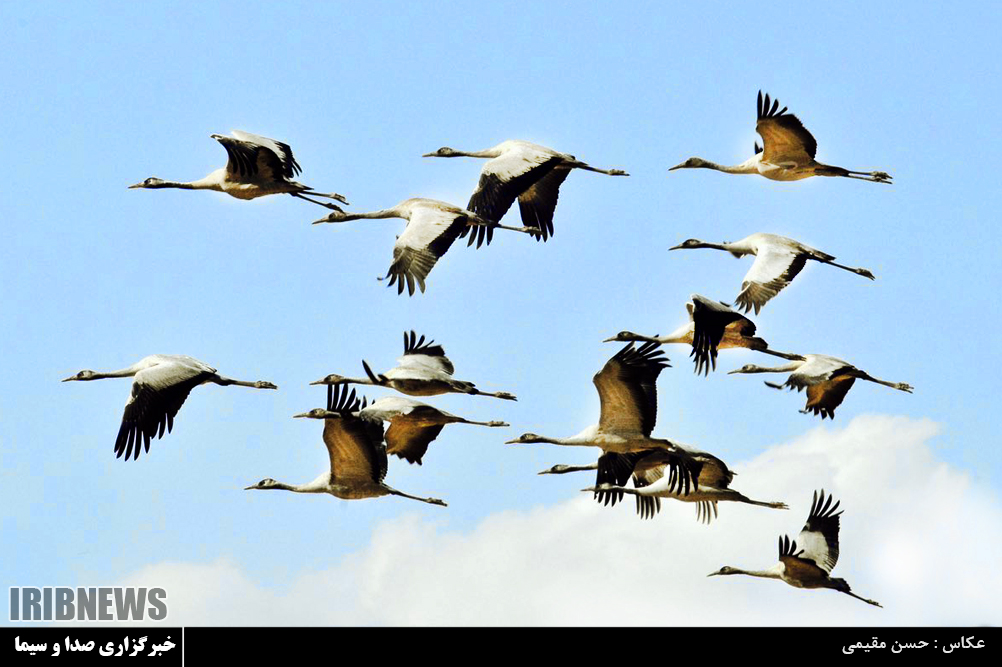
(689, 243)
(444, 151)
(332, 379)
(691, 163)
(526, 438)
(82, 376)
(266, 483)
(151, 182)
(318, 413)
(727, 569)
(333, 216)
(624, 337)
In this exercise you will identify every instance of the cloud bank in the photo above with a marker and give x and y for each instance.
(917, 535)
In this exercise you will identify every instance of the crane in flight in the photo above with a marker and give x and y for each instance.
(627, 389)
(257, 166)
(357, 453)
(712, 326)
(424, 370)
(161, 384)
(520, 170)
(414, 425)
(778, 260)
(810, 565)
(826, 379)
(432, 227)
(788, 151)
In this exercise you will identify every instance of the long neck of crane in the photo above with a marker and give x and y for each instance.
(319, 485)
(772, 573)
(376, 215)
(681, 335)
(743, 168)
(123, 373)
(225, 381)
(488, 153)
(567, 468)
(785, 368)
(207, 183)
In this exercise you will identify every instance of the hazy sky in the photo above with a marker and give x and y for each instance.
(98, 96)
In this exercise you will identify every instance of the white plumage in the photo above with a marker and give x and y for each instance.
(432, 227)
(160, 386)
(778, 260)
(520, 170)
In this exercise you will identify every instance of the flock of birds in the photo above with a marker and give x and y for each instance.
(354, 435)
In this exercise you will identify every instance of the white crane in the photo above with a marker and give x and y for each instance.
(826, 379)
(788, 153)
(413, 425)
(778, 260)
(714, 479)
(627, 390)
(161, 384)
(524, 171)
(712, 326)
(424, 370)
(257, 166)
(432, 226)
(810, 565)
(357, 454)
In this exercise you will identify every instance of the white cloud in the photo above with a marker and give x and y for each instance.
(917, 536)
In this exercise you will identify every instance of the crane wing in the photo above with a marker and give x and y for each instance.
(773, 269)
(286, 163)
(615, 469)
(824, 397)
(502, 180)
(429, 234)
(797, 566)
(538, 202)
(354, 443)
(819, 538)
(157, 395)
(784, 137)
(627, 388)
(424, 356)
(818, 369)
(710, 319)
(408, 439)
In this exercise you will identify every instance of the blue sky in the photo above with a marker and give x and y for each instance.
(93, 275)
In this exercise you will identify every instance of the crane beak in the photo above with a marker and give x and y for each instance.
(611, 340)
(304, 414)
(69, 379)
(679, 246)
(429, 155)
(137, 185)
(678, 166)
